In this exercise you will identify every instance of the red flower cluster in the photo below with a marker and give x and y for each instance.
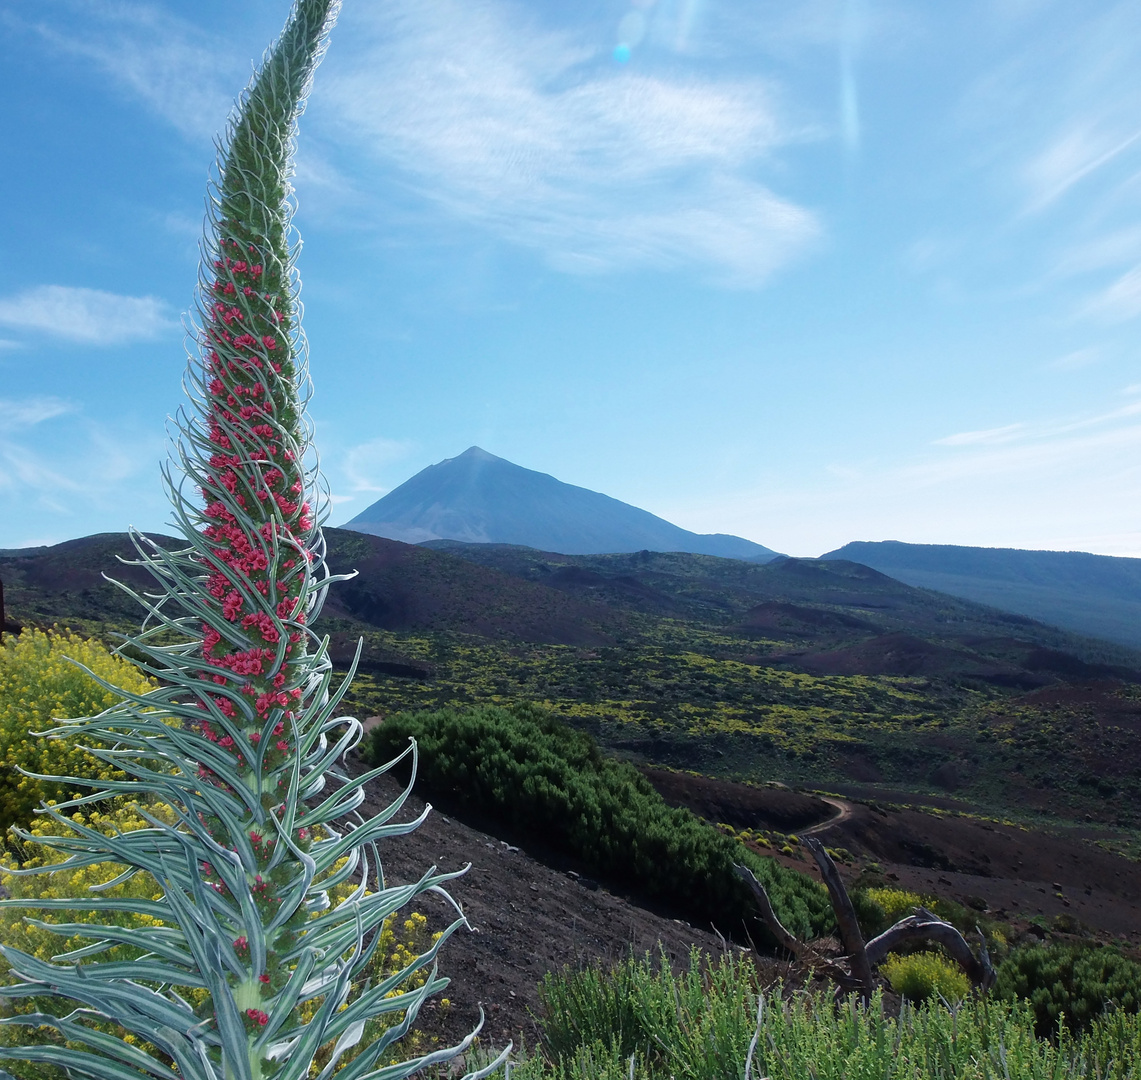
(264, 625)
(257, 519)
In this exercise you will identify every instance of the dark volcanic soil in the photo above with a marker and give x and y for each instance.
(744, 806)
(1016, 873)
(528, 919)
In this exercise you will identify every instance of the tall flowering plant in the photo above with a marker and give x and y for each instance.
(248, 968)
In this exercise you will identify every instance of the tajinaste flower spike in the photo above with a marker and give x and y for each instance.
(239, 740)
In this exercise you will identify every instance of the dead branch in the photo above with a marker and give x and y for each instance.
(851, 937)
(916, 928)
(803, 952)
(989, 974)
(785, 940)
(920, 927)
(928, 927)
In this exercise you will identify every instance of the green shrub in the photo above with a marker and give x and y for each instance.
(38, 684)
(871, 916)
(523, 765)
(641, 1019)
(922, 975)
(641, 1007)
(1077, 981)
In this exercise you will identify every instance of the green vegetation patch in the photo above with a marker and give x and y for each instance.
(641, 1020)
(922, 975)
(1070, 985)
(522, 764)
(657, 689)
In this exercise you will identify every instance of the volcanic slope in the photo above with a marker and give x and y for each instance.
(399, 588)
(683, 659)
(1098, 595)
(820, 603)
(818, 673)
(483, 498)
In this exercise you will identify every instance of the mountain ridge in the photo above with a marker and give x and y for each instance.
(477, 497)
(1095, 595)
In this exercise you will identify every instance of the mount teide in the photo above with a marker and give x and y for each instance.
(479, 498)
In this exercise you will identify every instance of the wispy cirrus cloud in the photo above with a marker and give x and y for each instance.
(1067, 483)
(1078, 99)
(1120, 300)
(1077, 359)
(534, 134)
(1050, 432)
(1037, 448)
(976, 438)
(59, 466)
(21, 465)
(1073, 155)
(28, 412)
(1051, 119)
(87, 316)
(176, 69)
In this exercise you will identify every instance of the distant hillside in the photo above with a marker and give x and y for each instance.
(399, 588)
(822, 672)
(814, 606)
(1095, 595)
(483, 499)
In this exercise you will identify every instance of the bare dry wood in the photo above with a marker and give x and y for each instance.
(805, 954)
(851, 937)
(927, 927)
(785, 940)
(923, 926)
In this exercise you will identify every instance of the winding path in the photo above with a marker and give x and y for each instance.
(844, 810)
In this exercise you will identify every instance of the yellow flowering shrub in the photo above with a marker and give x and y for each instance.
(42, 943)
(401, 941)
(17, 932)
(37, 686)
(896, 903)
(923, 974)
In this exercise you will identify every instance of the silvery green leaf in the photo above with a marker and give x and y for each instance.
(200, 741)
(110, 1047)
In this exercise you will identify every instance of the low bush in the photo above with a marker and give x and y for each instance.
(39, 684)
(895, 903)
(642, 1020)
(526, 769)
(1079, 982)
(922, 975)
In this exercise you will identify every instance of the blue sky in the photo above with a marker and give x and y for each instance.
(807, 273)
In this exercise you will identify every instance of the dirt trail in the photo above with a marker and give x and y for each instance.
(844, 811)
